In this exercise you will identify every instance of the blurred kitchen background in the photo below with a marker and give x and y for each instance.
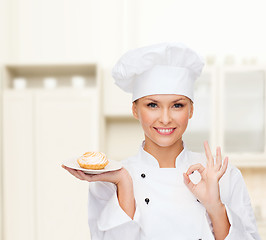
(58, 98)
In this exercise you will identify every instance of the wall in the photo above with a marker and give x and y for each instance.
(3, 56)
(82, 30)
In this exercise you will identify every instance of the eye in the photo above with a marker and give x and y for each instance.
(178, 105)
(152, 105)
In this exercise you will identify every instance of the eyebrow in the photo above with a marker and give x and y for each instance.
(179, 99)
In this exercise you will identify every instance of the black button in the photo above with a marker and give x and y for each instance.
(147, 200)
(198, 200)
(143, 175)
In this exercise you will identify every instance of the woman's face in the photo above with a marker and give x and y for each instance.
(164, 117)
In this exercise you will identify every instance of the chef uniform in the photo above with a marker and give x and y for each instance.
(165, 208)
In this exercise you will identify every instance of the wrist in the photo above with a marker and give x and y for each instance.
(215, 210)
(124, 178)
(219, 220)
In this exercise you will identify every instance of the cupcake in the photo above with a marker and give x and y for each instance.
(93, 160)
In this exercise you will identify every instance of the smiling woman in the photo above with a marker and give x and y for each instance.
(167, 191)
(164, 119)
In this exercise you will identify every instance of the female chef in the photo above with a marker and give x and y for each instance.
(167, 191)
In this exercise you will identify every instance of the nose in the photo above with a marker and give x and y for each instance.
(165, 117)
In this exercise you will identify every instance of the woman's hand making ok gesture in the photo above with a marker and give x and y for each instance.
(207, 190)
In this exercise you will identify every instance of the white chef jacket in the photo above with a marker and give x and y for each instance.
(165, 208)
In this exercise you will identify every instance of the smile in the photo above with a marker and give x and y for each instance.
(165, 131)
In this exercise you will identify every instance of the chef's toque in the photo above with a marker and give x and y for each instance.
(165, 68)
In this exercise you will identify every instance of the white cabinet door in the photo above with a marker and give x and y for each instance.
(18, 166)
(244, 111)
(42, 129)
(66, 125)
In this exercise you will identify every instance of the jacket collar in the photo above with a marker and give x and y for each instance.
(150, 160)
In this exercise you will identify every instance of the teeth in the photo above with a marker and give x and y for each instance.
(165, 130)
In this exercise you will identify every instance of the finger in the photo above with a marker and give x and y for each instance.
(196, 167)
(88, 177)
(105, 177)
(73, 172)
(218, 163)
(188, 182)
(92, 177)
(82, 175)
(66, 168)
(208, 154)
(223, 168)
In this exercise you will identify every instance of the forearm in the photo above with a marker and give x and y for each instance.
(219, 221)
(125, 194)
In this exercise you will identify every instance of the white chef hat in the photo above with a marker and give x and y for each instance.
(165, 68)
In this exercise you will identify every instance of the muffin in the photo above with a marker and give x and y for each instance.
(93, 160)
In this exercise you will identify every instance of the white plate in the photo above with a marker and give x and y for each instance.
(111, 166)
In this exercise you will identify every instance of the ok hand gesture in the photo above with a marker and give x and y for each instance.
(207, 190)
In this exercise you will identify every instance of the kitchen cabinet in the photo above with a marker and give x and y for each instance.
(242, 110)
(18, 167)
(41, 129)
(64, 128)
